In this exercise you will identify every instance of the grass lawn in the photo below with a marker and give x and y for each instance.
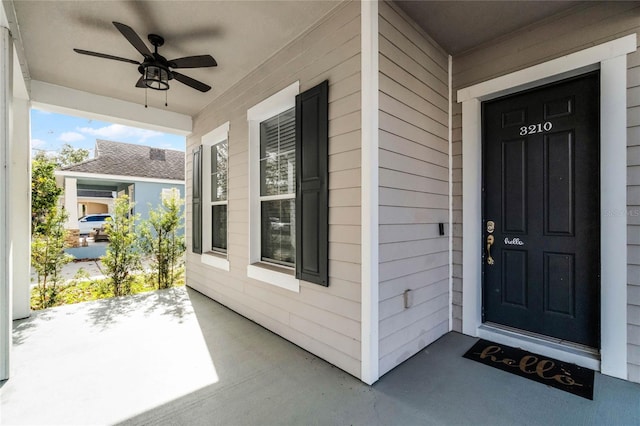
(81, 289)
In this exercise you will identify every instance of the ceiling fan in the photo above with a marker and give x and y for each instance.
(156, 70)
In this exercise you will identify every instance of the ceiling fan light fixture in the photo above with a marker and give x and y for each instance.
(156, 70)
(156, 77)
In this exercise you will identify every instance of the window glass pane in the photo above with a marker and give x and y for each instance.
(219, 164)
(219, 228)
(278, 226)
(287, 131)
(277, 154)
(269, 176)
(269, 135)
(287, 173)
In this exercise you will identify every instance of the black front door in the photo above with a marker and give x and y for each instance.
(541, 226)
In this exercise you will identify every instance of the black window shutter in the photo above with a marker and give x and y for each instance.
(312, 190)
(196, 202)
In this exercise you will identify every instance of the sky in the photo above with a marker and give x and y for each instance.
(49, 131)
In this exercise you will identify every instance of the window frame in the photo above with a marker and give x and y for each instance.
(169, 193)
(216, 258)
(272, 273)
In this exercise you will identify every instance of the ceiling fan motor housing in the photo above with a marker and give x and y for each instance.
(156, 40)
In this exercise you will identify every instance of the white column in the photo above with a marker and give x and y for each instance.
(71, 202)
(369, 209)
(21, 207)
(6, 73)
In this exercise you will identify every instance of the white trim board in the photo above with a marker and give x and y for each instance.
(610, 58)
(450, 230)
(103, 177)
(71, 101)
(370, 372)
(6, 279)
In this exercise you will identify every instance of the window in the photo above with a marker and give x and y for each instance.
(170, 194)
(272, 189)
(218, 157)
(288, 188)
(215, 172)
(278, 188)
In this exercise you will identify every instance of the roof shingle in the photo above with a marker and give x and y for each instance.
(118, 158)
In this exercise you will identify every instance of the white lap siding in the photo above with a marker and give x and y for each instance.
(323, 320)
(414, 188)
(583, 26)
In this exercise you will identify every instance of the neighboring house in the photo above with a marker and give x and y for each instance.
(143, 173)
(367, 189)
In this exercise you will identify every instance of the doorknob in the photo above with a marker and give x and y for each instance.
(490, 241)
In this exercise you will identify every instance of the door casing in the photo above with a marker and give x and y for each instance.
(610, 58)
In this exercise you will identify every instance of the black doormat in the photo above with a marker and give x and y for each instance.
(561, 375)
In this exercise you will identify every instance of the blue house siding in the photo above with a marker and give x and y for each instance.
(147, 196)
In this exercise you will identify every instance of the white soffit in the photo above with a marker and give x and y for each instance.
(69, 101)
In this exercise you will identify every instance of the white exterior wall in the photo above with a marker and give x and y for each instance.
(579, 28)
(325, 321)
(413, 188)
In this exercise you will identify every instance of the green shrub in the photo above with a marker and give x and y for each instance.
(123, 256)
(160, 238)
(48, 256)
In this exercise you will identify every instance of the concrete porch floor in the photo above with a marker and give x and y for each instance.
(177, 357)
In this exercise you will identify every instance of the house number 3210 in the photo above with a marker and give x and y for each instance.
(535, 128)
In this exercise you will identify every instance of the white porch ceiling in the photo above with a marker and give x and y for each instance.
(240, 35)
(461, 25)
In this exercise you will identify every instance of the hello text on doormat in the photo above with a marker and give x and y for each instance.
(561, 375)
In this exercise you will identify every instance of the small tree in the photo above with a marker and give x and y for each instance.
(160, 237)
(122, 257)
(69, 155)
(48, 256)
(44, 191)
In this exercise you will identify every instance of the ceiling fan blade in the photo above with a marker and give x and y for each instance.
(140, 83)
(104, 55)
(193, 62)
(198, 85)
(133, 38)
